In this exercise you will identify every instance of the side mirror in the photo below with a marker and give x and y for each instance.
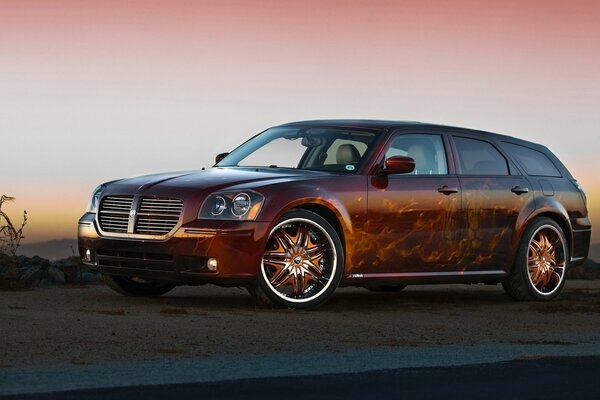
(399, 165)
(220, 156)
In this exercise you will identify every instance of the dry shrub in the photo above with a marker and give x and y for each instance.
(10, 236)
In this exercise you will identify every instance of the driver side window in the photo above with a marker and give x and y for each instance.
(427, 151)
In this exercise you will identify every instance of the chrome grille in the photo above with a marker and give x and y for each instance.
(114, 213)
(158, 215)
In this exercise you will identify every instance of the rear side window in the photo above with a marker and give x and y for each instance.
(477, 157)
(533, 162)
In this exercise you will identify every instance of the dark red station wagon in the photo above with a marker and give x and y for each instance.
(305, 207)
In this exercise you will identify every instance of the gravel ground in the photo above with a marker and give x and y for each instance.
(91, 324)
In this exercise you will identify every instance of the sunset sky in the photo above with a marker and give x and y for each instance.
(91, 91)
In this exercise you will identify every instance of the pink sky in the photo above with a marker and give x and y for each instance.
(96, 90)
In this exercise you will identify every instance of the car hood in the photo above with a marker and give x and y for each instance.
(213, 179)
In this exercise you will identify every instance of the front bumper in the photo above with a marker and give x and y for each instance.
(182, 258)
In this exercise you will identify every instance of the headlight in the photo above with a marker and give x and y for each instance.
(238, 205)
(241, 205)
(92, 206)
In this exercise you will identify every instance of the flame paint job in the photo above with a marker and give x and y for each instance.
(404, 228)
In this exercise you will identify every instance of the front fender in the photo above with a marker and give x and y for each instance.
(348, 204)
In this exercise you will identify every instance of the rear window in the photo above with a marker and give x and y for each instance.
(477, 157)
(533, 162)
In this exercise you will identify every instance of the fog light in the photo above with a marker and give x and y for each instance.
(212, 264)
(88, 256)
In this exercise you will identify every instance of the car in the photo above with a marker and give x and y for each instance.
(306, 207)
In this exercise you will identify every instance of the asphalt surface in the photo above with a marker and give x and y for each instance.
(209, 341)
(545, 378)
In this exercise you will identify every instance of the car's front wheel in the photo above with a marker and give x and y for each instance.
(136, 286)
(540, 267)
(302, 264)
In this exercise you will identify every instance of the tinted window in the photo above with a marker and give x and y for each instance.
(477, 157)
(427, 151)
(314, 148)
(533, 162)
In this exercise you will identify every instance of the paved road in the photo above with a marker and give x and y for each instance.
(545, 378)
(296, 366)
(89, 338)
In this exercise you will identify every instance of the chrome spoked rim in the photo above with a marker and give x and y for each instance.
(546, 260)
(300, 260)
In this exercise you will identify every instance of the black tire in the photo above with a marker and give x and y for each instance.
(540, 267)
(303, 263)
(386, 288)
(134, 287)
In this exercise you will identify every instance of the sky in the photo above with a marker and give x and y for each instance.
(92, 91)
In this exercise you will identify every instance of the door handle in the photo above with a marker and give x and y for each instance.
(518, 190)
(447, 190)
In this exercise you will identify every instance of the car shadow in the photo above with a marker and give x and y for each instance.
(207, 298)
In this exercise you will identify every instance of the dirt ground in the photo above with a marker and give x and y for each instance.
(85, 325)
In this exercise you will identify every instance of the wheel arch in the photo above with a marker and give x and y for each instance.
(328, 214)
(559, 215)
(332, 211)
(564, 225)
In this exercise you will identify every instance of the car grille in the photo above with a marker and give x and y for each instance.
(154, 215)
(114, 213)
(157, 216)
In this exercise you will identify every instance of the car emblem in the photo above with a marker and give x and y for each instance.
(131, 213)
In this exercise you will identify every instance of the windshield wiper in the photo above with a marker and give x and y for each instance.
(276, 166)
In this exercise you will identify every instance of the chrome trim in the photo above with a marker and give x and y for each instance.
(420, 274)
(150, 215)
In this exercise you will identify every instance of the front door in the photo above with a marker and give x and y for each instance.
(413, 219)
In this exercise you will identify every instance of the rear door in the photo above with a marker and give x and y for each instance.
(493, 195)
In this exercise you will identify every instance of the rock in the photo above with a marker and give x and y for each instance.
(89, 277)
(40, 272)
(71, 273)
(8, 261)
(32, 275)
(56, 274)
(42, 262)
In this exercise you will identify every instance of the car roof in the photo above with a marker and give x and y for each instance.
(352, 123)
(377, 124)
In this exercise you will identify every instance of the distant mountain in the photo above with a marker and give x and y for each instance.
(52, 250)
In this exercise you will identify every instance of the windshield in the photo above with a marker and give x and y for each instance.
(321, 149)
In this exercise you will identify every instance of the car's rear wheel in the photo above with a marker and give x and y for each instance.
(540, 267)
(130, 286)
(302, 264)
